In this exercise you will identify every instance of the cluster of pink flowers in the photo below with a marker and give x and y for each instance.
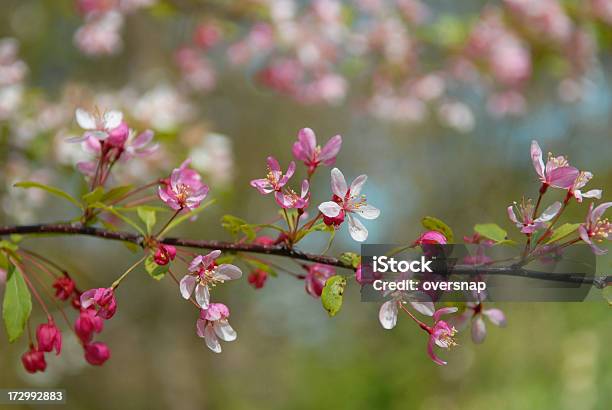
(184, 189)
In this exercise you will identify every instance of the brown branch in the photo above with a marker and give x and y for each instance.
(279, 250)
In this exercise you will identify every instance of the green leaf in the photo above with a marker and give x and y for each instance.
(118, 214)
(562, 231)
(331, 297)
(187, 216)
(116, 193)
(148, 217)
(156, 271)
(434, 224)
(17, 304)
(50, 189)
(491, 231)
(93, 196)
(350, 258)
(235, 225)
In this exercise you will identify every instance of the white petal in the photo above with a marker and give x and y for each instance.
(356, 229)
(357, 184)
(338, 183)
(227, 272)
(202, 296)
(496, 317)
(424, 308)
(187, 286)
(330, 209)
(388, 314)
(85, 119)
(211, 339)
(368, 211)
(225, 331)
(479, 330)
(200, 327)
(550, 212)
(593, 193)
(112, 119)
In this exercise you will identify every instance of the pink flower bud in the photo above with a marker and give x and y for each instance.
(258, 278)
(49, 337)
(431, 238)
(87, 324)
(34, 360)
(118, 136)
(164, 254)
(97, 353)
(316, 277)
(64, 286)
(102, 299)
(265, 241)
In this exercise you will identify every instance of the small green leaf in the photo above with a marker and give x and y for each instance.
(93, 196)
(236, 225)
(156, 271)
(491, 231)
(562, 231)
(331, 297)
(148, 217)
(434, 224)
(50, 189)
(116, 193)
(187, 216)
(17, 304)
(350, 258)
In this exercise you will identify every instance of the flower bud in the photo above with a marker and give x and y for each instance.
(97, 353)
(164, 254)
(87, 324)
(258, 278)
(34, 360)
(49, 337)
(64, 286)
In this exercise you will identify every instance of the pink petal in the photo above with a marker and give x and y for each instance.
(142, 139)
(562, 177)
(512, 215)
(444, 311)
(536, 158)
(187, 285)
(202, 295)
(357, 185)
(330, 150)
(200, 327)
(338, 183)
(479, 330)
(228, 272)
(550, 212)
(211, 339)
(584, 234)
(432, 354)
(496, 316)
(273, 164)
(224, 331)
(262, 185)
(330, 209)
(599, 211)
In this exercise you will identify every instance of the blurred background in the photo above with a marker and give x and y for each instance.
(436, 102)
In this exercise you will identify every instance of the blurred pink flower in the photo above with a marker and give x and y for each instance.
(581, 180)
(203, 273)
(184, 190)
(557, 172)
(97, 353)
(213, 325)
(474, 313)
(307, 150)
(101, 299)
(316, 277)
(596, 229)
(97, 125)
(526, 220)
(348, 201)
(100, 35)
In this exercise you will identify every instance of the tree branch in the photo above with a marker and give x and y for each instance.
(279, 250)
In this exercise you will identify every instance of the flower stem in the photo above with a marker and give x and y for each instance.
(420, 323)
(556, 218)
(162, 230)
(131, 268)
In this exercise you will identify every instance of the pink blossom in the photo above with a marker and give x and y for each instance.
(207, 35)
(441, 334)
(87, 324)
(526, 220)
(49, 337)
(118, 136)
(557, 172)
(431, 238)
(184, 189)
(275, 180)
(581, 180)
(596, 229)
(289, 199)
(307, 150)
(97, 125)
(347, 201)
(204, 273)
(316, 277)
(475, 312)
(164, 254)
(34, 360)
(257, 278)
(64, 287)
(213, 325)
(100, 35)
(97, 353)
(101, 299)
(138, 144)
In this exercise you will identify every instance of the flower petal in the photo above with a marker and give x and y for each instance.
(112, 119)
(330, 150)
(387, 315)
(444, 311)
(225, 331)
(330, 209)
(562, 177)
(432, 354)
(512, 215)
(338, 183)
(367, 211)
(187, 285)
(549, 213)
(496, 316)
(227, 272)
(584, 234)
(536, 158)
(85, 119)
(200, 327)
(424, 308)
(273, 164)
(356, 229)
(212, 342)
(357, 184)
(202, 295)
(599, 211)
(479, 330)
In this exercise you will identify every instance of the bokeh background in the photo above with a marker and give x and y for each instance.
(289, 354)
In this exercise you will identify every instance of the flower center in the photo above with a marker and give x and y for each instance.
(557, 162)
(601, 230)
